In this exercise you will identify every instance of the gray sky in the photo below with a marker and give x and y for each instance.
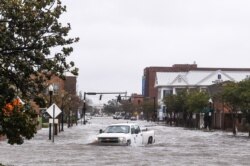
(119, 38)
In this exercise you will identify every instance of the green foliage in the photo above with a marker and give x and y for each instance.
(236, 96)
(181, 103)
(29, 34)
(230, 96)
(127, 107)
(170, 102)
(192, 101)
(40, 101)
(244, 95)
(196, 101)
(177, 102)
(32, 42)
(111, 107)
(19, 124)
(148, 107)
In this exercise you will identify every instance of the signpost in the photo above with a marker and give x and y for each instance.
(53, 111)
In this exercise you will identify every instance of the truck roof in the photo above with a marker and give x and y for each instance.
(125, 124)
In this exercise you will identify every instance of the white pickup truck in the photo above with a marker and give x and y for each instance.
(125, 134)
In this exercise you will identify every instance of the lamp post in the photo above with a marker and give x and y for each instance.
(69, 119)
(51, 90)
(84, 108)
(62, 112)
(155, 111)
(210, 101)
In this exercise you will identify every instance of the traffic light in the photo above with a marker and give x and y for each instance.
(119, 98)
(100, 98)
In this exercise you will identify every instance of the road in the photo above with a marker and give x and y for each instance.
(174, 146)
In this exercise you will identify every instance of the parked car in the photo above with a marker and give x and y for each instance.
(133, 118)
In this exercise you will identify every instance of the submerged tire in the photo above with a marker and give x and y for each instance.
(150, 140)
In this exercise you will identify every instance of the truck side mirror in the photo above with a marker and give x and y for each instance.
(100, 131)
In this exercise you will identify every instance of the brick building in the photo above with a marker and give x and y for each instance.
(160, 81)
(148, 80)
(69, 84)
(149, 75)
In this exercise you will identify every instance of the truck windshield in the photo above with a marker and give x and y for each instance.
(117, 129)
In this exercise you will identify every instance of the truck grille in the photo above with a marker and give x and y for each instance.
(108, 140)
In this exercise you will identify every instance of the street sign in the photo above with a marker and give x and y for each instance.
(51, 120)
(50, 110)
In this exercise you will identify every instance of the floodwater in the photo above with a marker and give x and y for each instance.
(174, 146)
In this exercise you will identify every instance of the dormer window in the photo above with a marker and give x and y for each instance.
(219, 76)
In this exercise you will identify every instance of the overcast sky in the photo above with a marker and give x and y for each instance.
(119, 38)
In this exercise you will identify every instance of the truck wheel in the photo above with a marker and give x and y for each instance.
(128, 142)
(150, 140)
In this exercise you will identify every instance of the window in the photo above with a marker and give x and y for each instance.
(204, 90)
(167, 93)
(219, 76)
(56, 88)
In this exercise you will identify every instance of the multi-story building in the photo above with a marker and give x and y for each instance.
(160, 82)
(148, 79)
(68, 85)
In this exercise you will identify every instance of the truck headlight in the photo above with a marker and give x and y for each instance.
(122, 139)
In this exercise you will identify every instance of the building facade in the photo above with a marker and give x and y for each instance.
(149, 74)
(68, 85)
(161, 82)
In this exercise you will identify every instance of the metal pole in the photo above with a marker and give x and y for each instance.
(84, 107)
(50, 102)
(62, 119)
(155, 114)
(53, 127)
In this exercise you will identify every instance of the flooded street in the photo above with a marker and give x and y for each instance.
(174, 146)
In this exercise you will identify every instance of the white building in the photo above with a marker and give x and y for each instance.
(171, 82)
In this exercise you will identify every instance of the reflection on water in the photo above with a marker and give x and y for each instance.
(174, 146)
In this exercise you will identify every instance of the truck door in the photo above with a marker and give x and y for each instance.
(138, 135)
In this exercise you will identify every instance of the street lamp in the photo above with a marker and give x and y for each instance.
(69, 119)
(51, 90)
(210, 101)
(84, 108)
(62, 112)
(155, 111)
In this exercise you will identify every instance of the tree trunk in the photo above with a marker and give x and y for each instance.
(234, 125)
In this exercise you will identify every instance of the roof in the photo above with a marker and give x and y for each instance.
(198, 78)
(69, 74)
(119, 124)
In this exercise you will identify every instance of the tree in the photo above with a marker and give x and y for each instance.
(171, 103)
(148, 107)
(111, 107)
(244, 95)
(127, 107)
(196, 101)
(236, 97)
(232, 101)
(181, 105)
(33, 47)
(176, 104)
(30, 32)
